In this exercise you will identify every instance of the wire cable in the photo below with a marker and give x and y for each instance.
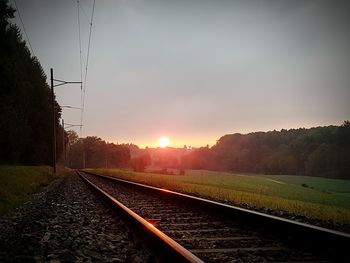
(24, 28)
(80, 52)
(87, 64)
(81, 69)
(85, 15)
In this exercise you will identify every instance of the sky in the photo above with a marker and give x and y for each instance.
(195, 70)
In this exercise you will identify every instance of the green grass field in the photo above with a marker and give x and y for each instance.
(314, 197)
(18, 183)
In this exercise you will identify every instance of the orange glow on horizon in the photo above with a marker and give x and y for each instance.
(177, 142)
(163, 142)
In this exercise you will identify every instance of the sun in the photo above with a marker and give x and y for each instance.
(163, 142)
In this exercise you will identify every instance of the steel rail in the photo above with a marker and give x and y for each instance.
(301, 234)
(170, 250)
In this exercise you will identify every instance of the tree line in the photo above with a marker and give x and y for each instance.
(25, 100)
(320, 151)
(93, 152)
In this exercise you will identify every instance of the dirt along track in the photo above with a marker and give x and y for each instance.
(207, 234)
(67, 223)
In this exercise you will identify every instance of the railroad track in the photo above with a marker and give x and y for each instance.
(191, 229)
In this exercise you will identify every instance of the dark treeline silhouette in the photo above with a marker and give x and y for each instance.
(93, 152)
(25, 100)
(321, 151)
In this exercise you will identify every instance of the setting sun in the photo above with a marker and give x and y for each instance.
(163, 142)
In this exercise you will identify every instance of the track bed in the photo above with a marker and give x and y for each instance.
(209, 235)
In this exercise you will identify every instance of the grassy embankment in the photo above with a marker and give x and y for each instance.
(314, 197)
(19, 183)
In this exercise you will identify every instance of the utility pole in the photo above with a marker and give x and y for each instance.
(63, 144)
(53, 124)
(83, 159)
(106, 157)
(60, 83)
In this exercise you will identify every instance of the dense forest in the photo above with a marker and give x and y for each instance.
(320, 151)
(93, 152)
(25, 100)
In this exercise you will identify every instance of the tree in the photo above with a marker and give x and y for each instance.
(93, 152)
(72, 137)
(319, 151)
(25, 100)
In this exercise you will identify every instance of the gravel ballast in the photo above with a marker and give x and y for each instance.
(67, 223)
(209, 235)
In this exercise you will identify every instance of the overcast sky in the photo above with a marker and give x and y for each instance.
(194, 70)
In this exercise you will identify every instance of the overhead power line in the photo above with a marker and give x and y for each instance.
(81, 69)
(86, 65)
(24, 28)
(85, 15)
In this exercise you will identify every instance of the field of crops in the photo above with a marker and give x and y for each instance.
(314, 197)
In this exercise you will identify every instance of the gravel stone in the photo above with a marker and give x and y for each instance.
(67, 223)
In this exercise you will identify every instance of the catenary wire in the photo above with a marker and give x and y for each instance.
(81, 69)
(86, 66)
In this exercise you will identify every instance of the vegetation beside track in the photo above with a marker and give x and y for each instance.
(19, 183)
(312, 197)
